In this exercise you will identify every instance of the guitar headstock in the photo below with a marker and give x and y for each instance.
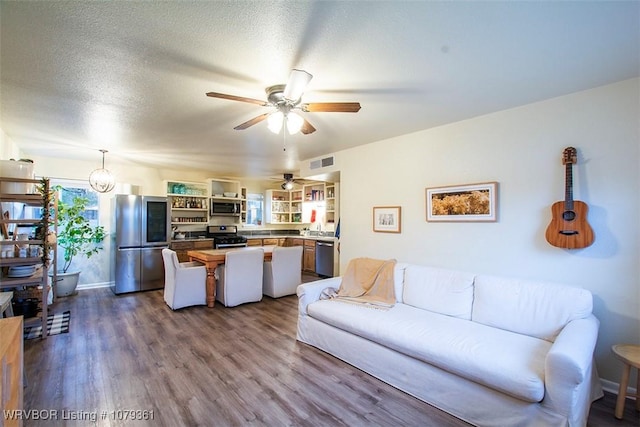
(569, 156)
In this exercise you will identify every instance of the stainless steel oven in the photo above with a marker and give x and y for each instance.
(226, 236)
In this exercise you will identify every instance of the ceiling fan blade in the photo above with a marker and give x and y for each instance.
(298, 81)
(236, 98)
(307, 128)
(331, 107)
(252, 122)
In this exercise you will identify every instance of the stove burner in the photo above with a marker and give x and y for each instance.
(226, 236)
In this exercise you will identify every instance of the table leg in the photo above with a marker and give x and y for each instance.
(211, 285)
(622, 392)
(638, 391)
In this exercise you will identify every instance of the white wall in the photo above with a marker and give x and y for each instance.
(520, 148)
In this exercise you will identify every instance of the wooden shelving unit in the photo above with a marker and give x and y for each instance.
(35, 285)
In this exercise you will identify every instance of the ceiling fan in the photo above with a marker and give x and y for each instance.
(289, 181)
(285, 98)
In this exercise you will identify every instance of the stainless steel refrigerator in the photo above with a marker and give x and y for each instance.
(141, 229)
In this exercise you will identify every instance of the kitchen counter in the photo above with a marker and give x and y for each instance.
(192, 240)
(291, 236)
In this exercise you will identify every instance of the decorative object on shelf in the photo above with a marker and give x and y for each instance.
(387, 219)
(101, 179)
(569, 228)
(77, 237)
(285, 98)
(463, 203)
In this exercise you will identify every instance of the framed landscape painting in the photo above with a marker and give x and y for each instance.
(462, 203)
(386, 219)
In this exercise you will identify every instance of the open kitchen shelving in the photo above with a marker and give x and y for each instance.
(189, 202)
(36, 284)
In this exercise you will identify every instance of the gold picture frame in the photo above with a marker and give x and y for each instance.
(387, 219)
(463, 203)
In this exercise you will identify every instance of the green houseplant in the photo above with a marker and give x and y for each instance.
(77, 237)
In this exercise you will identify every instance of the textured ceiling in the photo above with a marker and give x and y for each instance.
(131, 77)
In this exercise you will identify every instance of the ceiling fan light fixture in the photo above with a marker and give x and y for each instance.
(298, 81)
(294, 123)
(288, 182)
(101, 180)
(274, 122)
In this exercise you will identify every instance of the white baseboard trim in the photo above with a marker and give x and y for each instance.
(94, 285)
(612, 387)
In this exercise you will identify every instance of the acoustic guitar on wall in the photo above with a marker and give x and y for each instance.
(569, 228)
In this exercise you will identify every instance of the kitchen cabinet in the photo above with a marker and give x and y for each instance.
(11, 369)
(269, 242)
(283, 207)
(189, 202)
(243, 205)
(181, 248)
(226, 191)
(320, 205)
(294, 242)
(254, 242)
(309, 256)
(331, 203)
(29, 258)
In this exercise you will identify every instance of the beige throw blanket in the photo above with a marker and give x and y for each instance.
(368, 281)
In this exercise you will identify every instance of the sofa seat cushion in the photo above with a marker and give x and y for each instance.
(502, 360)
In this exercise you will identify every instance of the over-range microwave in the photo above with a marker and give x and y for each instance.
(224, 208)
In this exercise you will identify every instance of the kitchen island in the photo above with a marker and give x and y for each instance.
(211, 258)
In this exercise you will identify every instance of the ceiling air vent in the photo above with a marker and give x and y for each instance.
(321, 163)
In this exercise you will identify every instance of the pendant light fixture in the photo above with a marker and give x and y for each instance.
(101, 179)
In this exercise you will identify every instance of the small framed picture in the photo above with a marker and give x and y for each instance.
(387, 219)
(463, 203)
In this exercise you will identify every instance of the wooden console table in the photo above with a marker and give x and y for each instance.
(211, 258)
(11, 369)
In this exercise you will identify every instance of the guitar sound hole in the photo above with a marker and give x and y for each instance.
(568, 215)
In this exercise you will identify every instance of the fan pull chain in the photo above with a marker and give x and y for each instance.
(284, 140)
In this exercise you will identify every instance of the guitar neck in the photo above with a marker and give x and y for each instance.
(568, 190)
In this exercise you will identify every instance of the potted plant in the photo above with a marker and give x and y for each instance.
(77, 237)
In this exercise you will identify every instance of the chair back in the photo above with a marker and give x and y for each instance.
(283, 274)
(184, 283)
(170, 261)
(240, 280)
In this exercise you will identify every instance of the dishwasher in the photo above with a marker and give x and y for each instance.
(324, 258)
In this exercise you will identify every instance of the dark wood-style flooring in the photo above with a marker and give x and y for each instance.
(211, 367)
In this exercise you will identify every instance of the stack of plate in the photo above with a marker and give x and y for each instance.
(21, 271)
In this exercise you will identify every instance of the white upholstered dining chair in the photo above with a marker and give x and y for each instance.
(185, 284)
(283, 273)
(239, 280)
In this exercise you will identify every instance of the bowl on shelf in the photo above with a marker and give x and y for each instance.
(21, 271)
(230, 194)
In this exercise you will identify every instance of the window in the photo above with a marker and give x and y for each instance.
(254, 209)
(73, 189)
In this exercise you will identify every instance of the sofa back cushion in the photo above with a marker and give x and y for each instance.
(398, 280)
(536, 309)
(439, 290)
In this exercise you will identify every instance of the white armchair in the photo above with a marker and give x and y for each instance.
(283, 274)
(239, 280)
(184, 283)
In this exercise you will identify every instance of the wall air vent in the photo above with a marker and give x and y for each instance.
(321, 163)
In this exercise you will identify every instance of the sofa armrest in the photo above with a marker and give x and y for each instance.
(569, 364)
(310, 292)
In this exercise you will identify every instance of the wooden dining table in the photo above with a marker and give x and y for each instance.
(211, 258)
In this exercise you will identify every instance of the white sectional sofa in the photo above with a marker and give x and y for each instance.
(492, 351)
